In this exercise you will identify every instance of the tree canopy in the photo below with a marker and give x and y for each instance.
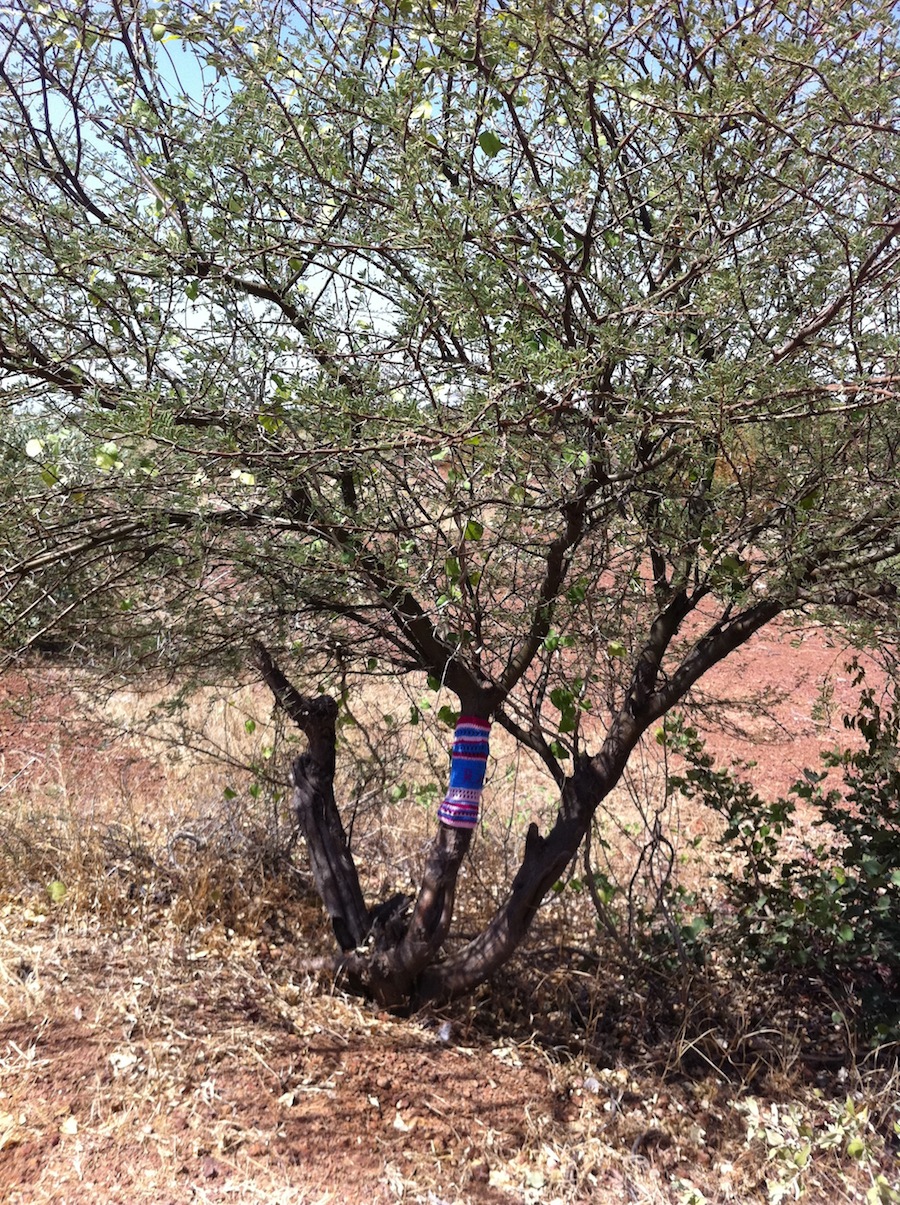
(547, 350)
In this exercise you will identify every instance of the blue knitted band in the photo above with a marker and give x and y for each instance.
(468, 764)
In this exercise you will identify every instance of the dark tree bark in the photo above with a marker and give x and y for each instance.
(544, 862)
(312, 776)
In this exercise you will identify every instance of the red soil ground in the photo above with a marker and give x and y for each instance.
(134, 1073)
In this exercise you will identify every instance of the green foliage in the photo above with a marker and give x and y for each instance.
(501, 345)
(544, 351)
(795, 1143)
(831, 907)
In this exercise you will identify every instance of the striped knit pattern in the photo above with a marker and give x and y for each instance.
(468, 763)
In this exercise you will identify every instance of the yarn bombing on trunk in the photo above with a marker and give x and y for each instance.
(468, 763)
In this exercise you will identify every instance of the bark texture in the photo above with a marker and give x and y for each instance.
(312, 775)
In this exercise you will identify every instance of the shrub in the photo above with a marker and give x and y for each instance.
(831, 905)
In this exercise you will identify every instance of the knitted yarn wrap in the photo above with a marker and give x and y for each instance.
(468, 763)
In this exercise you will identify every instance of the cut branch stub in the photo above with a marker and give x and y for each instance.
(312, 777)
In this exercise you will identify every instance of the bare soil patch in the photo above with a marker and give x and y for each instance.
(779, 702)
(203, 1079)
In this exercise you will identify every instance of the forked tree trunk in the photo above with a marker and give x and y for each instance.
(389, 955)
(544, 862)
(384, 951)
(395, 955)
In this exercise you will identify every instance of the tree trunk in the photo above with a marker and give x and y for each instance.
(389, 970)
(332, 865)
(331, 862)
(396, 958)
(543, 864)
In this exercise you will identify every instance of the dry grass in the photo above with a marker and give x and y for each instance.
(159, 1041)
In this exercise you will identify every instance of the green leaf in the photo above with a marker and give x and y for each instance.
(556, 233)
(57, 891)
(474, 530)
(615, 648)
(107, 458)
(490, 143)
(250, 726)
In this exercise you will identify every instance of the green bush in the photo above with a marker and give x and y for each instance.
(830, 906)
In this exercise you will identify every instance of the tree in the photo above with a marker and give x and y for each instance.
(547, 350)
